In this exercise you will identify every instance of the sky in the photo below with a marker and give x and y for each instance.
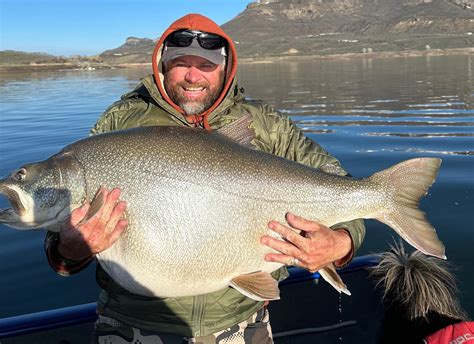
(88, 27)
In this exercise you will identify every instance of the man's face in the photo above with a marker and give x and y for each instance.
(193, 83)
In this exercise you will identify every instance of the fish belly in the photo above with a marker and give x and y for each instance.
(201, 239)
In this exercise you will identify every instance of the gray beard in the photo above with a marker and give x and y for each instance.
(196, 108)
(191, 107)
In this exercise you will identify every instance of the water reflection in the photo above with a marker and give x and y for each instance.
(421, 95)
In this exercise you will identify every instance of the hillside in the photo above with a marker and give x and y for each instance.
(134, 50)
(13, 57)
(302, 27)
(324, 27)
(11, 60)
(280, 28)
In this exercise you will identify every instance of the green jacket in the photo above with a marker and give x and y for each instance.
(274, 133)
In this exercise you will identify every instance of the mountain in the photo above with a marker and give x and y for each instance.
(276, 28)
(134, 50)
(11, 60)
(323, 27)
(13, 57)
(303, 27)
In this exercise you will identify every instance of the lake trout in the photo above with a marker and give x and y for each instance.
(198, 204)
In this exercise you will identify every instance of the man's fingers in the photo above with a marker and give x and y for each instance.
(111, 199)
(94, 210)
(284, 259)
(115, 216)
(118, 230)
(301, 223)
(106, 208)
(78, 214)
(281, 246)
(289, 234)
(118, 211)
(280, 258)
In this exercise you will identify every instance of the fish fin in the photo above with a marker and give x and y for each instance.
(259, 286)
(239, 130)
(409, 182)
(95, 205)
(331, 276)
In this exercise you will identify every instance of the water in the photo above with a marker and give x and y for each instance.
(370, 113)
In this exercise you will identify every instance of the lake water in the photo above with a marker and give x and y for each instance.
(370, 113)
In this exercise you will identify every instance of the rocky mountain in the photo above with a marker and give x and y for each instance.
(269, 28)
(323, 27)
(134, 50)
(302, 27)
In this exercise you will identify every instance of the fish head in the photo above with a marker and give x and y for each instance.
(42, 194)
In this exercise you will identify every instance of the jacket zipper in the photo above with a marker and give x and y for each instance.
(198, 314)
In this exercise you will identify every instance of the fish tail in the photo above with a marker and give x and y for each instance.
(408, 182)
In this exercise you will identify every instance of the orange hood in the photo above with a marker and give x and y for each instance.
(195, 22)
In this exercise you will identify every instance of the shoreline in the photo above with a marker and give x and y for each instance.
(371, 55)
(91, 66)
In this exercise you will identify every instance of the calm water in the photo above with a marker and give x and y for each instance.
(369, 113)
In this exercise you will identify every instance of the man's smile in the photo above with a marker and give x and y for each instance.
(194, 91)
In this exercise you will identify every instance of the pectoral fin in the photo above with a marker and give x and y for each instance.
(259, 286)
(95, 205)
(331, 276)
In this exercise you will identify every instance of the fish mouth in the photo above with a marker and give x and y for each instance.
(15, 202)
(12, 217)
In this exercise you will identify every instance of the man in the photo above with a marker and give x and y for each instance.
(193, 84)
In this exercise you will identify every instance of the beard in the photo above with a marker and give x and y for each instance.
(194, 106)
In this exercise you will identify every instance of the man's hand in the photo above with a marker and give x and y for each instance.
(313, 245)
(85, 236)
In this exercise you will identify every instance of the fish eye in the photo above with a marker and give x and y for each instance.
(20, 175)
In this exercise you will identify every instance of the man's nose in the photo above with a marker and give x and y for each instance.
(193, 75)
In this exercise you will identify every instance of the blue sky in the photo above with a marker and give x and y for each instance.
(88, 27)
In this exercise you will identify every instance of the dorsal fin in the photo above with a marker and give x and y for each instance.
(239, 131)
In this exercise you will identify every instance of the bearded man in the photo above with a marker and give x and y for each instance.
(193, 84)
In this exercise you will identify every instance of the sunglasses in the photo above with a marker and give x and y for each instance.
(184, 38)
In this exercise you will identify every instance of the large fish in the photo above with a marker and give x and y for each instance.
(198, 204)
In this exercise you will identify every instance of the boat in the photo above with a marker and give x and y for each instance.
(309, 311)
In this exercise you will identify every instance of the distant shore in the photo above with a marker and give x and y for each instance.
(378, 54)
(94, 65)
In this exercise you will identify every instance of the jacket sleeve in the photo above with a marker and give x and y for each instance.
(116, 117)
(278, 135)
(61, 265)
